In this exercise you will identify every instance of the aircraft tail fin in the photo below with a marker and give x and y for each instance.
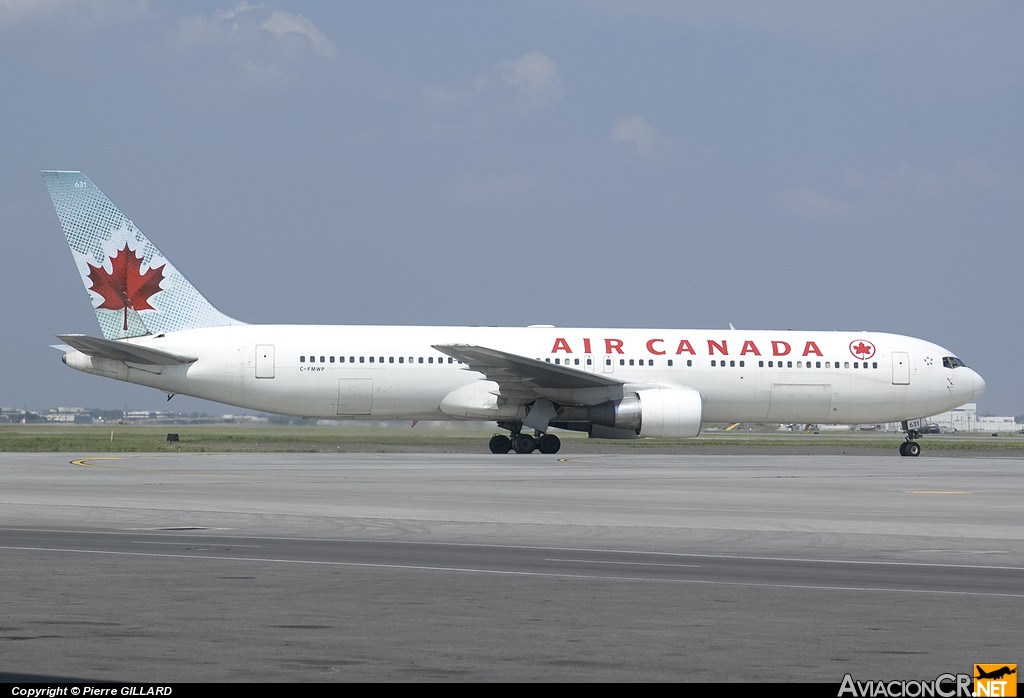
(134, 289)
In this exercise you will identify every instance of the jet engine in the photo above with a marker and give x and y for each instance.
(657, 412)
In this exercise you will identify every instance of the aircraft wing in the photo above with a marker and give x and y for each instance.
(520, 378)
(123, 351)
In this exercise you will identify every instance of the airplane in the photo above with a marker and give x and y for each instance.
(160, 331)
(996, 674)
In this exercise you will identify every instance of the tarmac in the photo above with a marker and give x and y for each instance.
(580, 567)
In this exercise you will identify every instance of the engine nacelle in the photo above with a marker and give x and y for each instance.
(657, 412)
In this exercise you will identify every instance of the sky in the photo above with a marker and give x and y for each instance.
(660, 164)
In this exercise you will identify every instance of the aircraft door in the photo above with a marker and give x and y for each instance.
(609, 363)
(900, 368)
(264, 360)
(355, 396)
(800, 402)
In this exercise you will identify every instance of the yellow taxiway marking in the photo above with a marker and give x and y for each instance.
(938, 492)
(85, 462)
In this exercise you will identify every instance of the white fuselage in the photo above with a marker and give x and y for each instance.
(393, 372)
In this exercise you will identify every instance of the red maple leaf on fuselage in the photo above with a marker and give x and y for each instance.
(862, 349)
(125, 286)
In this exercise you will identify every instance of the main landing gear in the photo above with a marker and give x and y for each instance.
(524, 443)
(910, 447)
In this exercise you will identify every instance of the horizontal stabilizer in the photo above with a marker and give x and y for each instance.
(123, 351)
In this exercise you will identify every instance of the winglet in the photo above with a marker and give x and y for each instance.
(134, 289)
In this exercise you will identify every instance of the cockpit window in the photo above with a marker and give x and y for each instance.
(952, 362)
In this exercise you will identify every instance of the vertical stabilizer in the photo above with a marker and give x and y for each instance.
(133, 287)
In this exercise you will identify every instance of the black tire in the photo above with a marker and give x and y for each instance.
(524, 443)
(913, 449)
(500, 444)
(549, 443)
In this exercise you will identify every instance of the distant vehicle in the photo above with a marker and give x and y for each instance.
(930, 429)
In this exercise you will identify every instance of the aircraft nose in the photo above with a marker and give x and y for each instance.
(979, 385)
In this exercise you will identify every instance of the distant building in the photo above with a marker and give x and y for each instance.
(966, 418)
(69, 415)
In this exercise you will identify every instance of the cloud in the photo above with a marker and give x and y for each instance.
(238, 9)
(533, 78)
(528, 84)
(636, 132)
(900, 190)
(283, 24)
(261, 47)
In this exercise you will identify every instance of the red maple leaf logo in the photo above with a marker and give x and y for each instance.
(862, 349)
(125, 286)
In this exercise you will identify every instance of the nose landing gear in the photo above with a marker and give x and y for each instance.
(910, 447)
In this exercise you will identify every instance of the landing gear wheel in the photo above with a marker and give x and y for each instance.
(524, 443)
(500, 444)
(549, 443)
(910, 448)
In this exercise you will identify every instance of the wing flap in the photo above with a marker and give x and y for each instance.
(123, 351)
(521, 379)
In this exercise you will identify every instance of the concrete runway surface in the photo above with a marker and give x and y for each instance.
(457, 567)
